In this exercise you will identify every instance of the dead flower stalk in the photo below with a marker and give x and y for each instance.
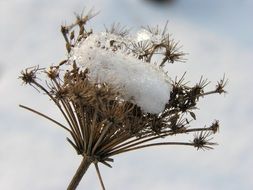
(100, 123)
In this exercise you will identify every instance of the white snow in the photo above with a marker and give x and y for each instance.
(144, 35)
(139, 82)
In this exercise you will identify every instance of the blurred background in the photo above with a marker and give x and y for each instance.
(217, 35)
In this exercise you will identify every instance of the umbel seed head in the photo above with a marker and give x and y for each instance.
(115, 96)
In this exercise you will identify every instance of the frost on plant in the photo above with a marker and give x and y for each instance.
(114, 95)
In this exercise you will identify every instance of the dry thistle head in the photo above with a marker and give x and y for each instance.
(157, 41)
(103, 121)
(202, 140)
(221, 85)
(28, 75)
(118, 30)
(215, 126)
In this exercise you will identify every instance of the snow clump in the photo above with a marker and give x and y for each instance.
(139, 82)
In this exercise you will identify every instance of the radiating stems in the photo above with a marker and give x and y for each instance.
(55, 101)
(92, 130)
(114, 142)
(150, 137)
(102, 135)
(70, 113)
(148, 145)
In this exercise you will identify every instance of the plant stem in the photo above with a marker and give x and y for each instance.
(79, 173)
(147, 145)
(43, 115)
(99, 176)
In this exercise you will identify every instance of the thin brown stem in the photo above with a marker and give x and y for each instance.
(47, 117)
(99, 176)
(101, 137)
(208, 93)
(91, 134)
(152, 51)
(79, 173)
(163, 61)
(69, 110)
(70, 116)
(149, 145)
(55, 101)
(114, 142)
(150, 137)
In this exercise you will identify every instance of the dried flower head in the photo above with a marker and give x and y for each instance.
(28, 75)
(215, 126)
(113, 97)
(118, 29)
(202, 140)
(221, 85)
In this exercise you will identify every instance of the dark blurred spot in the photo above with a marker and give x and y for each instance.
(160, 2)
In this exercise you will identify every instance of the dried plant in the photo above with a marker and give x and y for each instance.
(100, 123)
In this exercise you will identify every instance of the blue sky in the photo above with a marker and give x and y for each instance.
(218, 37)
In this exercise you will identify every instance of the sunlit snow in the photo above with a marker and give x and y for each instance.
(139, 82)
